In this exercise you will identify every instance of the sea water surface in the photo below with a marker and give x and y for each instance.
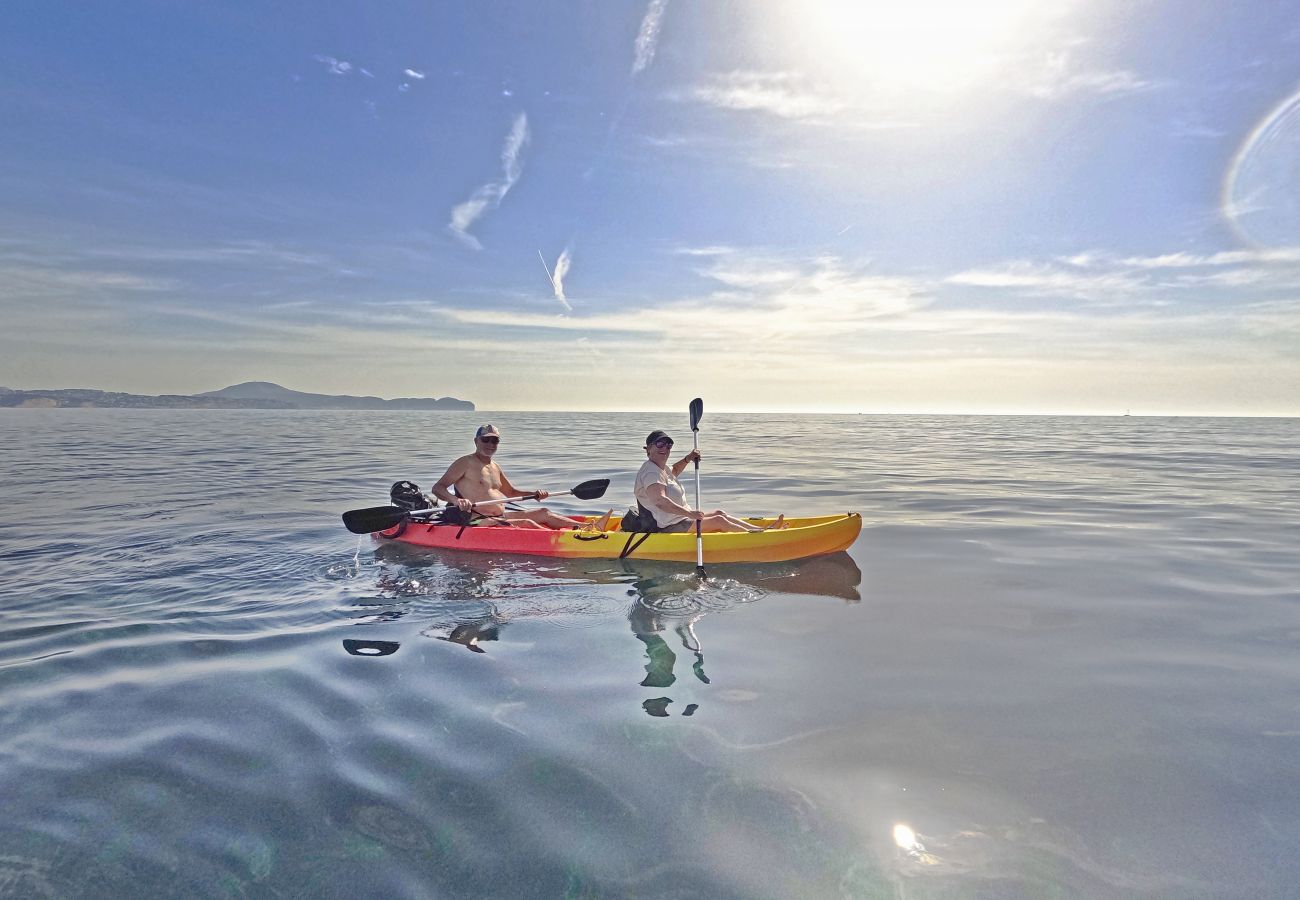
(1062, 660)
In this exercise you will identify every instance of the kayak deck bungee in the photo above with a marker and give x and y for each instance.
(811, 536)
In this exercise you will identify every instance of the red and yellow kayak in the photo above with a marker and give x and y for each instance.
(804, 537)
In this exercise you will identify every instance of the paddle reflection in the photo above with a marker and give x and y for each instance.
(370, 648)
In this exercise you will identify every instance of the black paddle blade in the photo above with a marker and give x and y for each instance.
(590, 490)
(375, 518)
(697, 413)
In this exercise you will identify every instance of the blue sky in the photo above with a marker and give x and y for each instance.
(819, 206)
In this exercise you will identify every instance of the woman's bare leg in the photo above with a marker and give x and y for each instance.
(719, 521)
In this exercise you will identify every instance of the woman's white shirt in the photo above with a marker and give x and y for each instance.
(650, 474)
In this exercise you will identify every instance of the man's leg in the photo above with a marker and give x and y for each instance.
(517, 519)
(544, 518)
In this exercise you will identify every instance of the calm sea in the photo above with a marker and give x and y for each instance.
(1062, 660)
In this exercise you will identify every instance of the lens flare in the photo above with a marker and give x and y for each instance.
(1261, 189)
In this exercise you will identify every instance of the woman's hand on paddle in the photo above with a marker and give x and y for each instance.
(542, 495)
(691, 457)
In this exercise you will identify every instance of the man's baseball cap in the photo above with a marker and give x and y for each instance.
(485, 430)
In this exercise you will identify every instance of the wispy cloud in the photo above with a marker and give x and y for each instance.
(42, 282)
(244, 254)
(1047, 278)
(1101, 279)
(647, 38)
(795, 96)
(1284, 255)
(1194, 128)
(343, 67)
(1055, 75)
(490, 195)
(556, 276)
(335, 66)
(717, 250)
(777, 93)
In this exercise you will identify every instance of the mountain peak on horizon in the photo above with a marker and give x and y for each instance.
(256, 390)
(250, 389)
(269, 390)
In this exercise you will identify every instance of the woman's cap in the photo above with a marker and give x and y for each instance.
(656, 435)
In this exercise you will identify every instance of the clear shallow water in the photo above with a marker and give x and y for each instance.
(1063, 653)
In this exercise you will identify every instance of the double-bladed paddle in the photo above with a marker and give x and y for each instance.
(381, 518)
(697, 413)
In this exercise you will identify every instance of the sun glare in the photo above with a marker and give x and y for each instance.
(909, 46)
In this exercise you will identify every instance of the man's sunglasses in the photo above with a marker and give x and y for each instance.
(490, 440)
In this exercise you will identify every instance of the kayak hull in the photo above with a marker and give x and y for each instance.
(805, 537)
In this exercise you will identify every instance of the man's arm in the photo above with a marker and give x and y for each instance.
(511, 491)
(442, 490)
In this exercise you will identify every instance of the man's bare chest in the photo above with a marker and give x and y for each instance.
(487, 477)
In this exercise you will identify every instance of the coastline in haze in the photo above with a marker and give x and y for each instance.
(249, 395)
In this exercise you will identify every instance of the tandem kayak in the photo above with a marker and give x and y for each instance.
(805, 537)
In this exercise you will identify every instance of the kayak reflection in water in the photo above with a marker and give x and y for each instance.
(471, 597)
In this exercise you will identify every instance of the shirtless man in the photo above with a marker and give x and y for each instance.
(477, 477)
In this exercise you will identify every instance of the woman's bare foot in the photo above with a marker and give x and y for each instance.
(777, 525)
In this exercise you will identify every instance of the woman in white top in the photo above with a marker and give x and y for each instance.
(658, 490)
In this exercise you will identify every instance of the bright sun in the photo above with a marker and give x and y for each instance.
(909, 46)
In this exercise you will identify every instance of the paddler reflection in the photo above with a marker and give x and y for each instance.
(669, 601)
(649, 623)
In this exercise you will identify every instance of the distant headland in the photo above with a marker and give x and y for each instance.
(249, 395)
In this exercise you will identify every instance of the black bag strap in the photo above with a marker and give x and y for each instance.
(629, 548)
